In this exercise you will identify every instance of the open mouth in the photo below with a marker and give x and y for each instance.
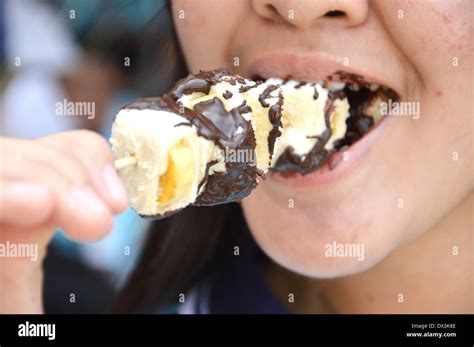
(367, 103)
(368, 106)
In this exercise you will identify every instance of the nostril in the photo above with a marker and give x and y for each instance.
(271, 9)
(334, 13)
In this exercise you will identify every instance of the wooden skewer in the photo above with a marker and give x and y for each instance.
(124, 162)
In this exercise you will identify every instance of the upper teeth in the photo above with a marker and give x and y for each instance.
(373, 87)
(336, 86)
(354, 87)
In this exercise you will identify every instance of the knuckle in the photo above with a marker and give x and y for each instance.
(92, 144)
(68, 167)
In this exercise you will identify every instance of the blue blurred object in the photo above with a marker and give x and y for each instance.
(126, 15)
(116, 254)
(2, 33)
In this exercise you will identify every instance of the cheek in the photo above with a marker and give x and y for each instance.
(188, 16)
(430, 33)
(205, 30)
(306, 240)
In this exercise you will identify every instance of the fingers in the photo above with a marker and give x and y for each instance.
(84, 214)
(19, 204)
(43, 184)
(29, 151)
(93, 152)
(33, 194)
(62, 181)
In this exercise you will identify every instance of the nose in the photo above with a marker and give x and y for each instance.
(303, 14)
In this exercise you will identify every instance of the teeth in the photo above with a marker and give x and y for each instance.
(373, 87)
(335, 86)
(353, 87)
(374, 107)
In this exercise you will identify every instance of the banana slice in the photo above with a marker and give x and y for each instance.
(178, 176)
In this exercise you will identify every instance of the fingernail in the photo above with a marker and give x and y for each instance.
(113, 185)
(85, 198)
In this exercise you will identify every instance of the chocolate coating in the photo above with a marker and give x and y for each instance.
(228, 129)
(201, 82)
(265, 94)
(315, 94)
(244, 89)
(289, 161)
(274, 115)
(227, 95)
(240, 177)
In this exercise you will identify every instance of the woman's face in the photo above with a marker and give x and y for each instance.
(400, 179)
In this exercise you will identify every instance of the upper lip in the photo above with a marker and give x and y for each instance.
(310, 66)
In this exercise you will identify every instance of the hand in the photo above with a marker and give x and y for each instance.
(65, 180)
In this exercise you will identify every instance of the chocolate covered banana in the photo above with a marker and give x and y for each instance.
(210, 138)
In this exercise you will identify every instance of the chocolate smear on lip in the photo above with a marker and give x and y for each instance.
(334, 161)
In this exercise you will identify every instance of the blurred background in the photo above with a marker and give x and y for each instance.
(105, 53)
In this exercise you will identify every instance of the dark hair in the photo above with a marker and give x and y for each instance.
(180, 250)
(187, 246)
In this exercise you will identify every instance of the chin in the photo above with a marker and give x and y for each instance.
(321, 243)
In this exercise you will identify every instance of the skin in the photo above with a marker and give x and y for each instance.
(408, 250)
(67, 179)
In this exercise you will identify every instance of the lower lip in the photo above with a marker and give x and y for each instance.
(336, 168)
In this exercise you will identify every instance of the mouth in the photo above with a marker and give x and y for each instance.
(368, 107)
(368, 100)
